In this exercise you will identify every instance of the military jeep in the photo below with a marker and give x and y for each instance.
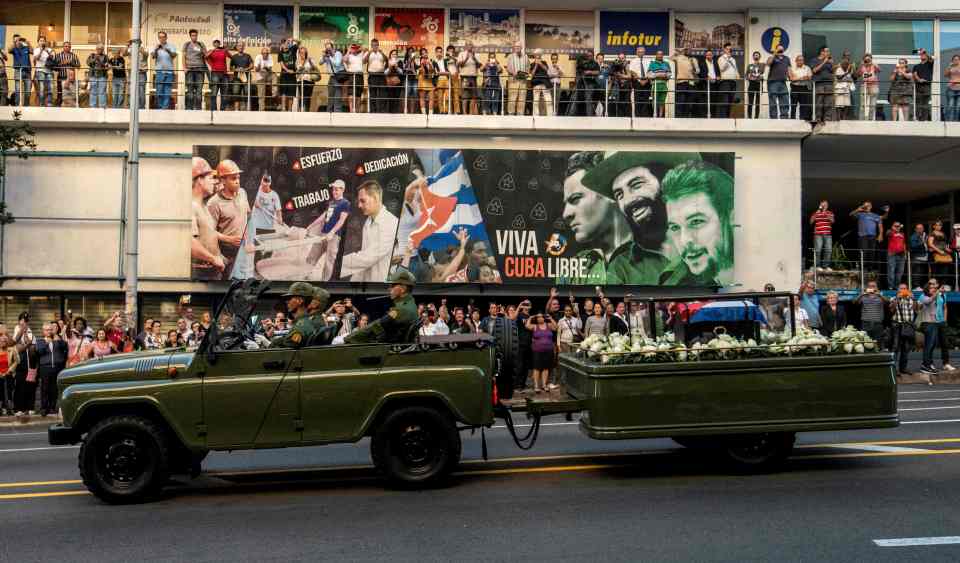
(143, 417)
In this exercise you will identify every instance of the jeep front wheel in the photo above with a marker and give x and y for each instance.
(125, 459)
(416, 446)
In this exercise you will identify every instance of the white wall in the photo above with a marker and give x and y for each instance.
(768, 246)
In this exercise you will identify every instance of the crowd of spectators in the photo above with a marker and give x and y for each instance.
(30, 362)
(463, 81)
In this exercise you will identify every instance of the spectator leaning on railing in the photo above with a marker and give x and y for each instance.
(922, 77)
(822, 220)
(801, 90)
(951, 91)
(22, 65)
(194, 58)
(896, 254)
(869, 74)
(164, 55)
(97, 67)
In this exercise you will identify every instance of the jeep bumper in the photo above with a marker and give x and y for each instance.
(60, 435)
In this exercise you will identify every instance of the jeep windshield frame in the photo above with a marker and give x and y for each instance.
(231, 324)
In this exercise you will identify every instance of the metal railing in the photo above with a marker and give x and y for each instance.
(838, 268)
(405, 93)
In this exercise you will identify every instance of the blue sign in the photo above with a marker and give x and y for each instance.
(257, 26)
(775, 37)
(623, 32)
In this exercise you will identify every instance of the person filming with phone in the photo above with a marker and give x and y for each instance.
(869, 230)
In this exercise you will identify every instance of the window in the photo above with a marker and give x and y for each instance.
(88, 22)
(901, 37)
(949, 41)
(31, 19)
(838, 35)
(119, 23)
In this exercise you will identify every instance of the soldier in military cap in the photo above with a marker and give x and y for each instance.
(394, 326)
(298, 297)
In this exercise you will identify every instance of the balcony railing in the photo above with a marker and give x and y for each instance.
(403, 93)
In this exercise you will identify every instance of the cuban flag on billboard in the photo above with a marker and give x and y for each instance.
(447, 205)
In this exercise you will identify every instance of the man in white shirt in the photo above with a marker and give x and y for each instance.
(568, 329)
(728, 81)
(518, 67)
(641, 84)
(44, 76)
(263, 76)
(372, 262)
(433, 325)
(376, 65)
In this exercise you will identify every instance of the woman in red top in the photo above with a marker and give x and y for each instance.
(896, 254)
(9, 357)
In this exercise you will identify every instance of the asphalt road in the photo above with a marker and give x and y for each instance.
(569, 499)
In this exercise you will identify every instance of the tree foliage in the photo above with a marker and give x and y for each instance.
(16, 138)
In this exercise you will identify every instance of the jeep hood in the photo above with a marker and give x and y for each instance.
(134, 366)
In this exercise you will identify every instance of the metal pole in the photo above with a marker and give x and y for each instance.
(132, 224)
(909, 275)
(862, 272)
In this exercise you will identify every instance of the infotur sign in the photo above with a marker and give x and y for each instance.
(623, 32)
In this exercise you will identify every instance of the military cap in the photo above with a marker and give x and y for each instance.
(600, 178)
(402, 277)
(300, 289)
(321, 295)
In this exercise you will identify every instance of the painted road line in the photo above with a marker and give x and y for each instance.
(40, 449)
(878, 454)
(41, 495)
(930, 421)
(929, 408)
(927, 400)
(908, 542)
(873, 448)
(18, 434)
(39, 484)
(926, 392)
(881, 443)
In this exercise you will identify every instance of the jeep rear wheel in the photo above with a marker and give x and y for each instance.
(416, 446)
(125, 459)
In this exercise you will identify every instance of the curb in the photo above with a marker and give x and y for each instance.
(28, 422)
(917, 378)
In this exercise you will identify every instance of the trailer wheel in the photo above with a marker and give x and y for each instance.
(125, 459)
(416, 446)
(759, 452)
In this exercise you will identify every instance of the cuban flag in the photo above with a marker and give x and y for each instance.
(448, 203)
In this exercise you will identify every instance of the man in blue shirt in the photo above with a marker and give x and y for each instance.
(21, 52)
(810, 302)
(331, 224)
(333, 65)
(869, 231)
(164, 55)
(822, 68)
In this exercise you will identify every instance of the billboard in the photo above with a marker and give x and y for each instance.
(397, 28)
(489, 30)
(486, 216)
(700, 32)
(623, 32)
(341, 26)
(257, 26)
(178, 19)
(569, 33)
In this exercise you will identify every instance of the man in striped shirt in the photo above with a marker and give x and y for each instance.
(822, 221)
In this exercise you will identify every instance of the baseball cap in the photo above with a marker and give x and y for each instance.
(338, 184)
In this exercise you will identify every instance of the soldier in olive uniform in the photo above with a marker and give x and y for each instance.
(299, 295)
(394, 326)
(317, 306)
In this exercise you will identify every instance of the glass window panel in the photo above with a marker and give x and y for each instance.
(31, 19)
(839, 35)
(949, 41)
(120, 23)
(901, 37)
(88, 22)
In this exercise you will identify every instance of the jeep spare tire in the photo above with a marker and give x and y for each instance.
(416, 446)
(125, 459)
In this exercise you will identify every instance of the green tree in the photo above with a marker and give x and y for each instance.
(16, 138)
